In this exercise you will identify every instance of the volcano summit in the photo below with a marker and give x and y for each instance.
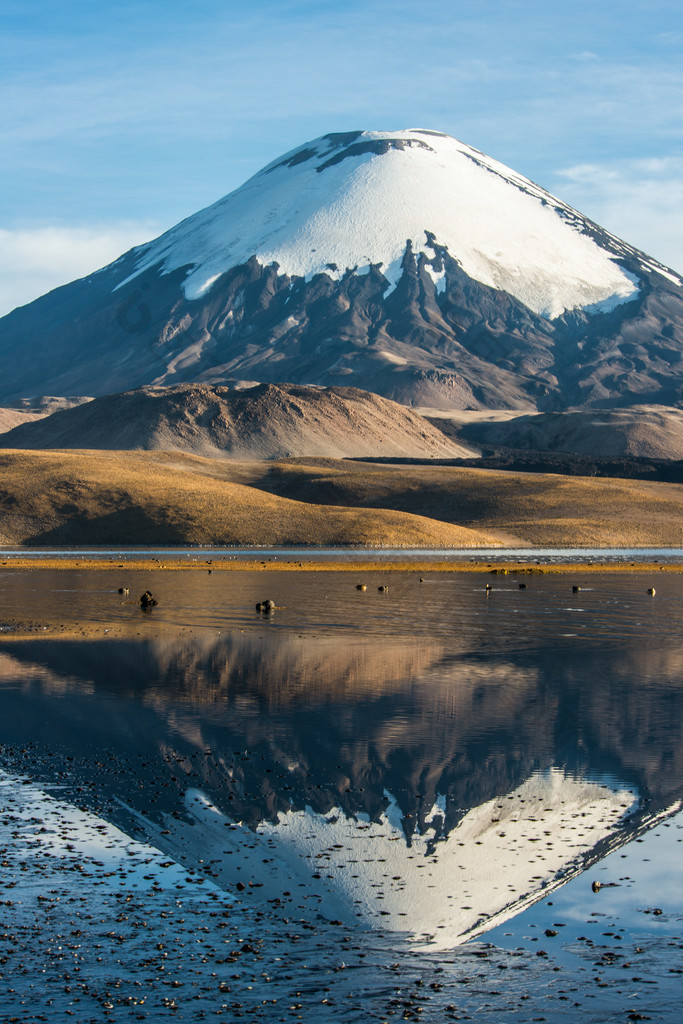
(405, 263)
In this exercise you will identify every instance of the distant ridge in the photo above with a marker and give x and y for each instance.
(647, 431)
(264, 421)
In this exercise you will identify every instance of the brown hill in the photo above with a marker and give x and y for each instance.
(644, 431)
(264, 421)
(11, 418)
(157, 498)
(86, 497)
(30, 409)
(524, 509)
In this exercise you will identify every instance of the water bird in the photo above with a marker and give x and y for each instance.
(148, 600)
(651, 591)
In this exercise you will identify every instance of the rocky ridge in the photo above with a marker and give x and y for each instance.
(264, 421)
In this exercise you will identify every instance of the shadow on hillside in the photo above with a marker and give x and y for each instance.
(357, 487)
(127, 526)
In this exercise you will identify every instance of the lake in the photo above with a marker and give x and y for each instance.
(430, 801)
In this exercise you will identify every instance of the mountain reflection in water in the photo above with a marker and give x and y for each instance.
(433, 783)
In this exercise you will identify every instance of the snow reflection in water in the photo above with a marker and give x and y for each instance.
(426, 765)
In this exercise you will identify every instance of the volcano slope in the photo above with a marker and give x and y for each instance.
(406, 263)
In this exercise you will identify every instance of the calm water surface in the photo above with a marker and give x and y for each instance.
(359, 554)
(428, 765)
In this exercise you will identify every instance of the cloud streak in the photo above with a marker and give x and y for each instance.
(34, 261)
(641, 201)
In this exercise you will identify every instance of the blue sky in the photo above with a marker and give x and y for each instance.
(119, 119)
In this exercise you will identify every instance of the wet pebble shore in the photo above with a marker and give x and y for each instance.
(96, 926)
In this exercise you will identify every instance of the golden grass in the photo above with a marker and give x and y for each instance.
(534, 509)
(84, 497)
(155, 498)
(228, 563)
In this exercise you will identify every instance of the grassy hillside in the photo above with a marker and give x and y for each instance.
(539, 509)
(85, 497)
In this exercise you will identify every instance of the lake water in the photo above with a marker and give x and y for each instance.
(421, 783)
(545, 555)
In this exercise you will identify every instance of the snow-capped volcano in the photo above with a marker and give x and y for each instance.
(332, 206)
(405, 263)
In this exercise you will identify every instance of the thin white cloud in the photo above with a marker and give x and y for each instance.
(641, 201)
(36, 260)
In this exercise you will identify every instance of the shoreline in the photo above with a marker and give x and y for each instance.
(232, 564)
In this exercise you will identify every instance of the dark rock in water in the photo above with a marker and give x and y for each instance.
(148, 600)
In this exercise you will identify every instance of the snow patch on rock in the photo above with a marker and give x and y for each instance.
(438, 889)
(351, 202)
